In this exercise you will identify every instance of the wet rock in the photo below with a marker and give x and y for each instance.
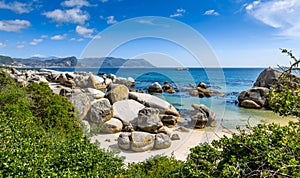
(168, 88)
(155, 88)
(205, 92)
(250, 104)
(162, 141)
(194, 93)
(149, 120)
(202, 85)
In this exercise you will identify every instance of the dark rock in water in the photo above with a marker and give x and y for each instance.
(155, 88)
(267, 78)
(168, 88)
(258, 96)
(202, 85)
(205, 92)
(194, 93)
(149, 120)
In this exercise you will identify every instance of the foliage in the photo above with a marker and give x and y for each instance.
(40, 136)
(284, 97)
(266, 150)
(158, 166)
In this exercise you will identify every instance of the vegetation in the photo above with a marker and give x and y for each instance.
(284, 97)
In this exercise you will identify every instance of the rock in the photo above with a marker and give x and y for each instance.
(112, 126)
(81, 101)
(107, 81)
(257, 95)
(127, 110)
(117, 93)
(162, 141)
(148, 120)
(168, 88)
(66, 92)
(165, 130)
(182, 129)
(175, 137)
(101, 111)
(205, 92)
(202, 116)
(168, 120)
(83, 81)
(94, 93)
(97, 82)
(194, 92)
(142, 141)
(154, 102)
(124, 141)
(155, 88)
(202, 85)
(250, 104)
(216, 93)
(267, 78)
(129, 82)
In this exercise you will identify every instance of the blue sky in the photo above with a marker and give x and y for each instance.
(243, 33)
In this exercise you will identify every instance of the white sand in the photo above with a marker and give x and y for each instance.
(179, 148)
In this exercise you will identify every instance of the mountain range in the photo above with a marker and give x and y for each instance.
(52, 62)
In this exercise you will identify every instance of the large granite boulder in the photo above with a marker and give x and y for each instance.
(149, 120)
(100, 112)
(97, 82)
(94, 93)
(127, 110)
(155, 88)
(112, 126)
(254, 98)
(154, 102)
(128, 82)
(267, 78)
(162, 141)
(124, 141)
(117, 92)
(202, 116)
(141, 141)
(81, 101)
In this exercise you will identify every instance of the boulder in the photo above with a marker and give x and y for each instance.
(267, 78)
(127, 110)
(168, 87)
(141, 141)
(94, 93)
(149, 120)
(124, 141)
(155, 88)
(129, 82)
(154, 102)
(83, 81)
(168, 120)
(97, 82)
(100, 112)
(81, 101)
(205, 92)
(162, 141)
(65, 92)
(165, 130)
(202, 85)
(175, 137)
(117, 92)
(112, 126)
(194, 92)
(202, 116)
(257, 94)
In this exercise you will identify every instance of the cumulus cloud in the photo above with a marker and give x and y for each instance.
(87, 33)
(34, 42)
(75, 3)
(59, 37)
(211, 12)
(178, 13)
(16, 7)
(111, 20)
(14, 25)
(76, 16)
(280, 14)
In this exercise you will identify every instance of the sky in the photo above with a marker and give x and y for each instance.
(241, 33)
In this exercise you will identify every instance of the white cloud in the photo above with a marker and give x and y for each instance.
(179, 13)
(44, 36)
(280, 14)
(76, 16)
(87, 33)
(34, 42)
(14, 25)
(2, 45)
(20, 46)
(59, 37)
(16, 6)
(111, 20)
(75, 3)
(211, 12)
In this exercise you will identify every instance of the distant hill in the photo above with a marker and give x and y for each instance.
(111, 62)
(6, 60)
(37, 63)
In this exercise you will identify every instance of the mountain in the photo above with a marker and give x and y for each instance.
(112, 62)
(37, 63)
(6, 60)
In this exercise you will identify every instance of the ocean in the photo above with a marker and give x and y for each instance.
(230, 81)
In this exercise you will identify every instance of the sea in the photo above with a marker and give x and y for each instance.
(230, 81)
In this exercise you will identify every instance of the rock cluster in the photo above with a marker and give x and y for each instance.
(202, 91)
(202, 116)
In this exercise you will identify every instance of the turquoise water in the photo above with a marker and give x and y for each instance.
(230, 81)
